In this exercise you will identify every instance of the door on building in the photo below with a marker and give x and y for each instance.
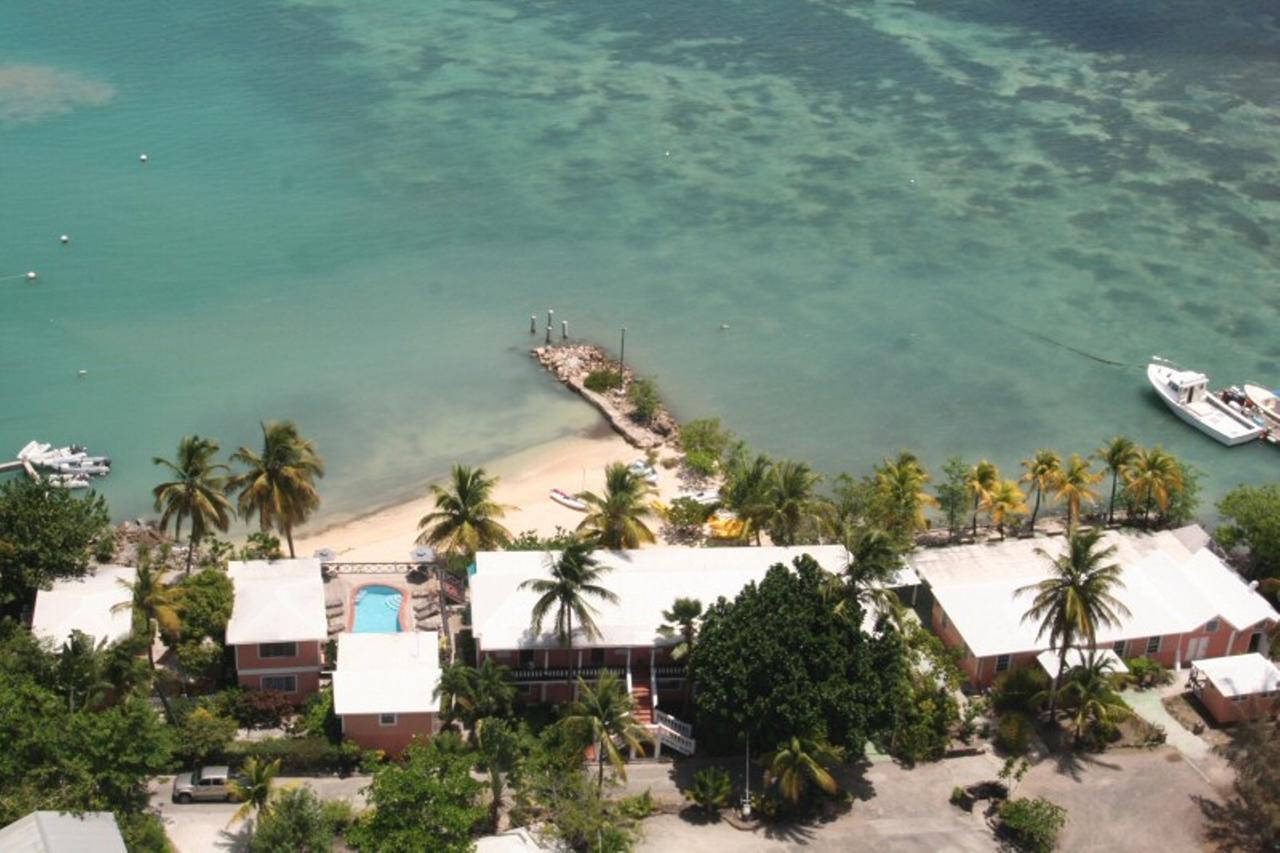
(1197, 648)
(1255, 641)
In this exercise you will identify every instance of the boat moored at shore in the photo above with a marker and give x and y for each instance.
(1187, 394)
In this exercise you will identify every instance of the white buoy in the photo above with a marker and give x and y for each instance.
(667, 153)
(64, 239)
(31, 276)
(142, 158)
(724, 327)
(84, 373)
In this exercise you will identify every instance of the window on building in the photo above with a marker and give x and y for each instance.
(1003, 662)
(1211, 626)
(526, 658)
(1153, 645)
(1118, 648)
(386, 719)
(597, 657)
(277, 650)
(283, 683)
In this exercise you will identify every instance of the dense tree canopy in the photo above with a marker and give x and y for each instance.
(46, 533)
(1253, 521)
(777, 662)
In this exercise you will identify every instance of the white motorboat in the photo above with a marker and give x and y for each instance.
(69, 481)
(1187, 393)
(566, 499)
(1266, 401)
(706, 497)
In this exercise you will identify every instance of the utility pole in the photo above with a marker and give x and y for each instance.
(622, 355)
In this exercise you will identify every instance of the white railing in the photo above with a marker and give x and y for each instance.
(675, 740)
(678, 726)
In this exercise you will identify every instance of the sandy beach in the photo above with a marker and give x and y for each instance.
(574, 464)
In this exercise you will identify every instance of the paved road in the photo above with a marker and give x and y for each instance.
(204, 827)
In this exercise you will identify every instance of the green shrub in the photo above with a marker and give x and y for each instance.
(318, 718)
(204, 736)
(1013, 735)
(706, 436)
(686, 512)
(1145, 672)
(767, 806)
(1020, 690)
(104, 550)
(603, 379)
(201, 660)
(338, 815)
(261, 546)
(263, 709)
(143, 832)
(701, 462)
(638, 807)
(303, 756)
(712, 790)
(1032, 824)
(643, 396)
(961, 799)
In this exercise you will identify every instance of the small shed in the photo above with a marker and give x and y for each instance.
(1237, 688)
(58, 832)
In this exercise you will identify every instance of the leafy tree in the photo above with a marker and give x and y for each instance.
(295, 823)
(496, 754)
(1252, 514)
(197, 492)
(1032, 825)
(529, 540)
(800, 762)
(465, 519)
(1041, 472)
(616, 519)
(922, 708)
(204, 734)
(1254, 807)
(706, 445)
(253, 789)
(207, 600)
(643, 396)
(1152, 479)
(278, 483)
(776, 660)
(1117, 455)
(261, 545)
(1185, 499)
(1072, 485)
(427, 801)
(712, 790)
(155, 607)
(851, 502)
(899, 499)
(953, 494)
(1076, 598)
(602, 717)
(981, 482)
(143, 832)
(319, 719)
(1005, 501)
(574, 578)
(46, 533)
(82, 670)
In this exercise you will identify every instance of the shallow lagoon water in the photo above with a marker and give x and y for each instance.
(918, 220)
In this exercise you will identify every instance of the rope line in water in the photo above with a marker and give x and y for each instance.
(1054, 341)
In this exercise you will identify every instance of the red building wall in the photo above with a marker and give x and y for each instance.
(366, 730)
(251, 668)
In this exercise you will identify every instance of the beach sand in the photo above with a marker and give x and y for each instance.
(573, 464)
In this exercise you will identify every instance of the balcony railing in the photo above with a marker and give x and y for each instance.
(669, 670)
(563, 673)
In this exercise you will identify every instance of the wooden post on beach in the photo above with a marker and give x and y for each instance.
(564, 330)
(550, 316)
(622, 355)
(533, 324)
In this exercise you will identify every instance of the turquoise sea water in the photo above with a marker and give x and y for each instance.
(913, 217)
(378, 610)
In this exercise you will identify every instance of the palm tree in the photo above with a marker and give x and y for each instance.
(472, 694)
(1076, 598)
(1090, 692)
(1072, 485)
(1154, 476)
(800, 762)
(982, 479)
(1004, 501)
(465, 518)
(1117, 454)
(454, 692)
(746, 492)
(254, 788)
(83, 669)
(155, 607)
(616, 520)
(1042, 469)
(874, 561)
(497, 750)
(602, 716)
(278, 484)
(198, 492)
(573, 578)
(899, 499)
(682, 621)
(793, 505)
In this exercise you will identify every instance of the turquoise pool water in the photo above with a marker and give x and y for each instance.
(378, 610)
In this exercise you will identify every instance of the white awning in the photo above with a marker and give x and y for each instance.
(1048, 660)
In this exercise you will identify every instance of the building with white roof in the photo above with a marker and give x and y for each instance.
(1184, 603)
(1237, 688)
(85, 604)
(278, 624)
(59, 832)
(384, 687)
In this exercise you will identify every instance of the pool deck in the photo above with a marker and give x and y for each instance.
(340, 593)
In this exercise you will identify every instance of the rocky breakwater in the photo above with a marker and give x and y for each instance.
(573, 363)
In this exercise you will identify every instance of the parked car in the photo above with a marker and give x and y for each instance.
(204, 783)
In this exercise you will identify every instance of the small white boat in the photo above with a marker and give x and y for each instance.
(644, 471)
(1187, 393)
(69, 481)
(706, 497)
(566, 499)
(1266, 401)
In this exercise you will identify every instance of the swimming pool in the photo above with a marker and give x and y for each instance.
(377, 610)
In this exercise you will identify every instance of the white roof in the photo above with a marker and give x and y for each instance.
(1167, 588)
(1048, 660)
(387, 673)
(518, 840)
(1240, 675)
(646, 583)
(84, 604)
(277, 601)
(56, 832)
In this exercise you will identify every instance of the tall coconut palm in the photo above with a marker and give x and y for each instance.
(1041, 471)
(156, 606)
(1153, 477)
(1073, 486)
(253, 790)
(1089, 692)
(197, 492)
(873, 564)
(465, 519)
(1076, 598)
(1004, 502)
(1117, 454)
(795, 507)
(83, 670)
(982, 480)
(617, 519)
(682, 621)
(454, 692)
(603, 716)
(278, 483)
(899, 499)
(574, 579)
(799, 762)
(746, 492)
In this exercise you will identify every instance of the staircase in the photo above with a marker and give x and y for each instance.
(674, 734)
(643, 711)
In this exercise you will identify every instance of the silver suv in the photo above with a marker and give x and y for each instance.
(203, 783)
